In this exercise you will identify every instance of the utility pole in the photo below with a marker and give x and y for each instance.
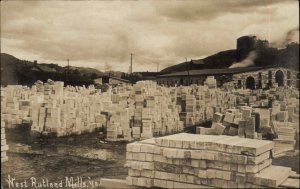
(67, 71)
(157, 67)
(188, 70)
(131, 63)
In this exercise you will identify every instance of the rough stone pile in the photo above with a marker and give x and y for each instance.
(203, 161)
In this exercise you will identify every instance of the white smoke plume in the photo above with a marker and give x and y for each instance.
(291, 36)
(248, 61)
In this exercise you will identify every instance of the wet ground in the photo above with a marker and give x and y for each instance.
(85, 159)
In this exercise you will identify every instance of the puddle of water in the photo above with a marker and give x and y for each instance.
(101, 154)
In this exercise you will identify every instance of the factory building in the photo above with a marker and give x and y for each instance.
(248, 77)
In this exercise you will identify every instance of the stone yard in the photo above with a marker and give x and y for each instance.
(73, 137)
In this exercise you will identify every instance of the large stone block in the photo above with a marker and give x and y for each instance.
(229, 117)
(218, 128)
(218, 117)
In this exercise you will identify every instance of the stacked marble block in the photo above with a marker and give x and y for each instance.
(199, 103)
(118, 126)
(155, 113)
(202, 161)
(248, 122)
(68, 111)
(211, 82)
(53, 108)
(138, 111)
(286, 136)
(14, 106)
(235, 122)
(4, 146)
(190, 108)
(285, 121)
(258, 97)
(119, 115)
(148, 111)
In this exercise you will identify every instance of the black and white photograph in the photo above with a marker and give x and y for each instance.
(137, 94)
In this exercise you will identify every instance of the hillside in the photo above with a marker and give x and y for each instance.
(16, 71)
(220, 60)
(287, 57)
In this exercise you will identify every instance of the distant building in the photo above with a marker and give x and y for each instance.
(111, 80)
(42, 68)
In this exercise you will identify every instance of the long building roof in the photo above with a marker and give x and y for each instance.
(213, 71)
(119, 79)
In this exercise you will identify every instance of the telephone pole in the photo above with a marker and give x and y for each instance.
(131, 63)
(157, 67)
(188, 70)
(67, 71)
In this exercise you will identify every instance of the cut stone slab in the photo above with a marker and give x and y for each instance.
(115, 183)
(294, 175)
(222, 143)
(290, 183)
(272, 176)
(254, 147)
(205, 131)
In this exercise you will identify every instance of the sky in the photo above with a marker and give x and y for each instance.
(103, 34)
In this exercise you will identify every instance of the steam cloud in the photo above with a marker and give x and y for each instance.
(108, 67)
(291, 36)
(248, 61)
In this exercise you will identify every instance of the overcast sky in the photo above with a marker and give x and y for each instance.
(102, 34)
